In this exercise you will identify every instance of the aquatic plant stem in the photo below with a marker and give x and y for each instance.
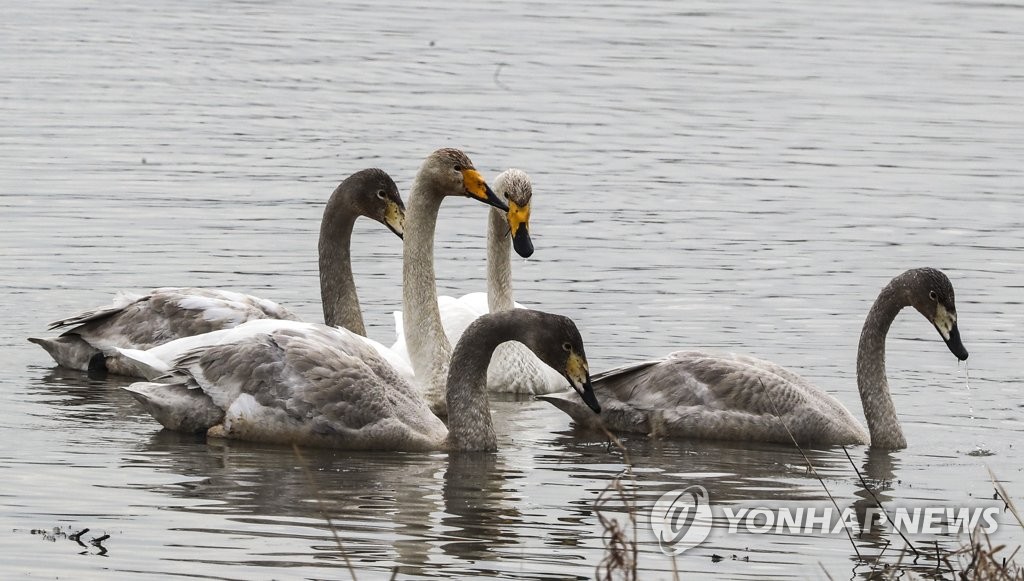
(809, 465)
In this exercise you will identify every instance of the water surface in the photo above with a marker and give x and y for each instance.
(732, 177)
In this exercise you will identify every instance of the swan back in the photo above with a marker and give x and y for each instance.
(92, 337)
(693, 394)
(308, 384)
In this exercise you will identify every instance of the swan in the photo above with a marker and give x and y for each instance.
(692, 394)
(314, 385)
(164, 314)
(513, 368)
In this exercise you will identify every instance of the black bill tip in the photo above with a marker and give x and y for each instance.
(956, 346)
(589, 397)
(522, 243)
(492, 199)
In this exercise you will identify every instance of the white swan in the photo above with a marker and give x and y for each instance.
(164, 314)
(691, 394)
(513, 368)
(313, 385)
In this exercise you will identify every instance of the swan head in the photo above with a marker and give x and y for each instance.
(932, 295)
(557, 342)
(375, 195)
(514, 187)
(449, 172)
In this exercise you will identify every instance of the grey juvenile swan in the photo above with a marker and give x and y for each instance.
(313, 385)
(513, 368)
(691, 394)
(164, 314)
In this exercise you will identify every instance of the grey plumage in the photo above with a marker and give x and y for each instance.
(304, 383)
(309, 384)
(692, 394)
(164, 314)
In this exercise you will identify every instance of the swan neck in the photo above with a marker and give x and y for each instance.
(469, 412)
(428, 346)
(879, 409)
(337, 286)
(499, 263)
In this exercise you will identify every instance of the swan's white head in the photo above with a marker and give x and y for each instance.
(514, 187)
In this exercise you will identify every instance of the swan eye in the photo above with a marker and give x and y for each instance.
(380, 194)
(458, 167)
(933, 296)
(567, 346)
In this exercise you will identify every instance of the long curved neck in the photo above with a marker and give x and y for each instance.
(879, 410)
(337, 286)
(499, 263)
(428, 346)
(469, 411)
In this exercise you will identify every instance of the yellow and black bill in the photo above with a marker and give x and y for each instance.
(519, 224)
(478, 189)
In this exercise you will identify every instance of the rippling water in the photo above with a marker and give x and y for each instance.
(736, 177)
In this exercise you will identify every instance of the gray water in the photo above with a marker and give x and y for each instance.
(741, 176)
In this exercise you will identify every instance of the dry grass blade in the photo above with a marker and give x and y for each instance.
(620, 559)
(878, 503)
(809, 464)
(1006, 497)
(980, 561)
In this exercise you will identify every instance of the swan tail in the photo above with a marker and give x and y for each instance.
(176, 406)
(69, 351)
(570, 403)
(140, 363)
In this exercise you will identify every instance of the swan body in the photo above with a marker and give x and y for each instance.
(692, 394)
(288, 382)
(309, 384)
(137, 321)
(514, 368)
(143, 321)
